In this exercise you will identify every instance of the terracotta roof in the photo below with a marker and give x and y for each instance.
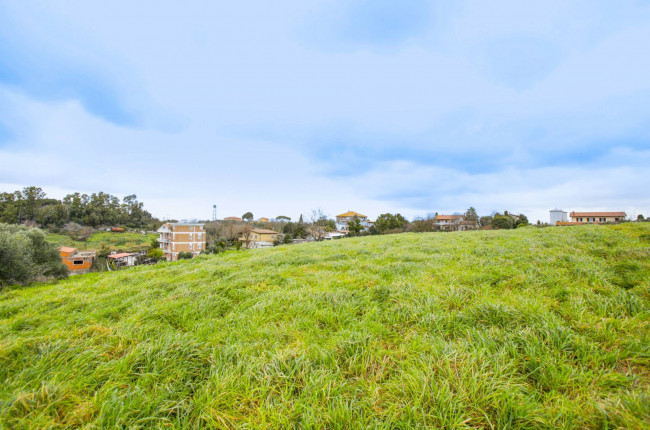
(120, 255)
(352, 213)
(595, 214)
(232, 218)
(264, 231)
(449, 217)
(67, 249)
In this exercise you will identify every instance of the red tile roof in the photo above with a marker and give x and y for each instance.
(351, 213)
(449, 217)
(264, 231)
(599, 214)
(120, 255)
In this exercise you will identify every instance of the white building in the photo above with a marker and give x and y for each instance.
(342, 221)
(558, 215)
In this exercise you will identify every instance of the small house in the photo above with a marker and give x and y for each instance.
(122, 259)
(448, 222)
(77, 261)
(258, 238)
(598, 217)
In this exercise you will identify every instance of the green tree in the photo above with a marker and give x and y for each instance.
(389, 221)
(31, 200)
(485, 221)
(354, 226)
(247, 216)
(640, 217)
(156, 254)
(16, 265)
(521, 221)
(56, 214)
(471, 215)
(502, 222)
(282, 218)
(8, 208)
(288, 228)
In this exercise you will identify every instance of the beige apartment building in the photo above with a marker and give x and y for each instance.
(181, 237)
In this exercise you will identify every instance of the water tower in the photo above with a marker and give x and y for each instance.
(558, 215)
(214, 212)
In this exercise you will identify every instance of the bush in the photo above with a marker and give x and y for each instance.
(78, 232)
(185, 255)
(25, 256)
(157, 254)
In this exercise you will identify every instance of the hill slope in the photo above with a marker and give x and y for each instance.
(526, 328)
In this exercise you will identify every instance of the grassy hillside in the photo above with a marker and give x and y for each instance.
(115, 241)
(532, 328)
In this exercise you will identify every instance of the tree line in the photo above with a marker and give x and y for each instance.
(94, 210)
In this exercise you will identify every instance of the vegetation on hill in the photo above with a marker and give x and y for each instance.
(126, 241)
(525, 328)
(94, 210)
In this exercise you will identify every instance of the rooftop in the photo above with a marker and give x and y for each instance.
(264, 231)
(603, 214)
(448, 217)
(120, 255)
(351, 213)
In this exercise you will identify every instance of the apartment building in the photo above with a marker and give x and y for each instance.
(181, 237)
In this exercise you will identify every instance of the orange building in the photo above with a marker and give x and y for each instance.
(77, 261)
(181, 237)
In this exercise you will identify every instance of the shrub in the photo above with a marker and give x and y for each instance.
(185, 255)
(25, 256)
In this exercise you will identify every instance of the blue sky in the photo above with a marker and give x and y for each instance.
(373, 106)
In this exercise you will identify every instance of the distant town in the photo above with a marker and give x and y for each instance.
(81, 222)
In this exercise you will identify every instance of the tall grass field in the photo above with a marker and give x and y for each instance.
(527, 328)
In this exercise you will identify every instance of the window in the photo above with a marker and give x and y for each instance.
(198, 246)
(190, 246)
(78, 262)
(199, 236)
(190, 236)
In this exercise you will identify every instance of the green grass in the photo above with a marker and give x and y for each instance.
(126, 241)
(530, 328)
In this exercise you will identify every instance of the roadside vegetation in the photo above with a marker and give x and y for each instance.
(521, 328)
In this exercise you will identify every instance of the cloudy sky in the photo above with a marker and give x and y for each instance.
(369, 105)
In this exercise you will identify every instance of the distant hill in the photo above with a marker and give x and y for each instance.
(535, 328)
